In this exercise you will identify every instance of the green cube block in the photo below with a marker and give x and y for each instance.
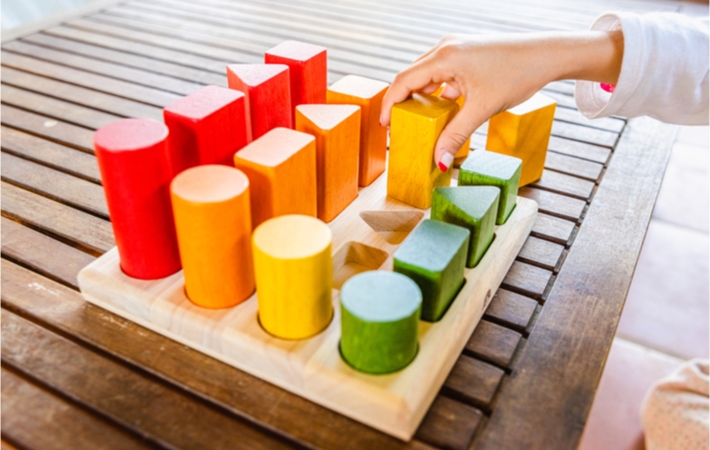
(484, 168)
(472, 207)
(434, 256)
(379, 321)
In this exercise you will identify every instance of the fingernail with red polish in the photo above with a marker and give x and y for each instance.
(445, 162)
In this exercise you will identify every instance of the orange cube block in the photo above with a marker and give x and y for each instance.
(524, 132)
(281, 166)
(367, 94)
(337, 132)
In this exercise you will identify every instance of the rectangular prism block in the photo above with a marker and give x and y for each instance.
(281, 167)
(483, 168)
(524, 132)
(206, 127)
(471, 207)
(466, 147)
(267, 95)
(337, 132)
(367, 94)
(308, 70)
(414, 128)
(434, 256)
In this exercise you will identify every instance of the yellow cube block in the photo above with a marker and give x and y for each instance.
(524, 132)
(415, 126)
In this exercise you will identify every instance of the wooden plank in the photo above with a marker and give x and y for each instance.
(579, 149)
(573, 166)
(48, 153)
(555, 204)
(528, 279)
(41, 253)
(119, 71)
(100, 83)
(553, 228)
(91, 35)
(565, 184)
(127, 397)
(473, 381)
(511, 309)
(53, 108)
(122, 58)
(117, 106)
(235, 391)
(540, 252)
(603, 123)
(84, 230)
(450, 424)
(48, 128)
(66, 189)
(584, 134)
(35, 418)
(583, 330)
(494, 343)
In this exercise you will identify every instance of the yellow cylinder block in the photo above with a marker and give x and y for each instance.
(294, 276)
(213, 223)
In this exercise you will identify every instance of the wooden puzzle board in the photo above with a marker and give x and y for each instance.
(365, 237)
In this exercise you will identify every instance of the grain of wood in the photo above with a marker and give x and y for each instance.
(541, 252)
(450, 424)
(83, 230)
(565, 184)
(511, 309)
(553, 228)
(474, 381)
(573, 166)
(494, 343)
(526, 278)
(56, 130)
(555, 204)
(580, 150)
(35, 418)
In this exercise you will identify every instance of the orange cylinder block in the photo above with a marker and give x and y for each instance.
(213, 223)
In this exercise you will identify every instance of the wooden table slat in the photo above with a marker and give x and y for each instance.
(511, 309)
(573, 166)
(449, 424)
(56, 130)
(555, 204)
(494, 343)
(527, 279)
(565, 184)
(580, 150)
(541, 252)
(474, 381)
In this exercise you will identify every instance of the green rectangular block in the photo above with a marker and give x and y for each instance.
(484, 168)
(434, 256)
(471, 207)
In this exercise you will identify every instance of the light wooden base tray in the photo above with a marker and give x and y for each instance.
(365, 236)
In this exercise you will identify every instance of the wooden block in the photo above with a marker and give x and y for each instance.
(466, 147)
(267, 95)
(367, 94)
(483, 168)
(471, 207)
(281, 166)
(379, 313)
(434, 256)
(294, 276)
(213, 223)
(337, 132)
(308, 67)
(524, 132)
(414, 129)
(206, 127)
(135, 172)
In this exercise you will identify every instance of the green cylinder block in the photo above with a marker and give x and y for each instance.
(379, 321)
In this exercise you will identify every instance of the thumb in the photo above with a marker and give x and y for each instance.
(456, 132)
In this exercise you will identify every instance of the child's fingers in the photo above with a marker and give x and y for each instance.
(430, 88)
(411, 79)
(456, 132)
(450, 92)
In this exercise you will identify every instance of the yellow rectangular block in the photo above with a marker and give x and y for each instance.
(367, 94)
(415, 126)
(524, 132)
(463, 152)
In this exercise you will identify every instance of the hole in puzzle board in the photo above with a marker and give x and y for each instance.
(354, 258)
(393, 226)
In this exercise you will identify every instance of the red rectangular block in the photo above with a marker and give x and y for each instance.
(267, 95)
(206, 127)
(307, 64)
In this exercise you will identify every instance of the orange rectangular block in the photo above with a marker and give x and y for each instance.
(281, 167)
(367, 94)
(337, 132)
(524, 132)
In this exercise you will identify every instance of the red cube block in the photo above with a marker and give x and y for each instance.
(136, 175)
(267, 95)
(206, 127)
(307, 64)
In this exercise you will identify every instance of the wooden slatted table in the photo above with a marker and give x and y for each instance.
(76, 376)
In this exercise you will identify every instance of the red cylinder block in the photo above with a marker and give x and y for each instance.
(308, 69)
(267, 94)
(136, 175)
(206, 127)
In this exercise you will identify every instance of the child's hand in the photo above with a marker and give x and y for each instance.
(495, 73)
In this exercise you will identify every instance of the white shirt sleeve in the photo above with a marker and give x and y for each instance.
(664, 71)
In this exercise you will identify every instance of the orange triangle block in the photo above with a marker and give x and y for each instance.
(337, 132)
